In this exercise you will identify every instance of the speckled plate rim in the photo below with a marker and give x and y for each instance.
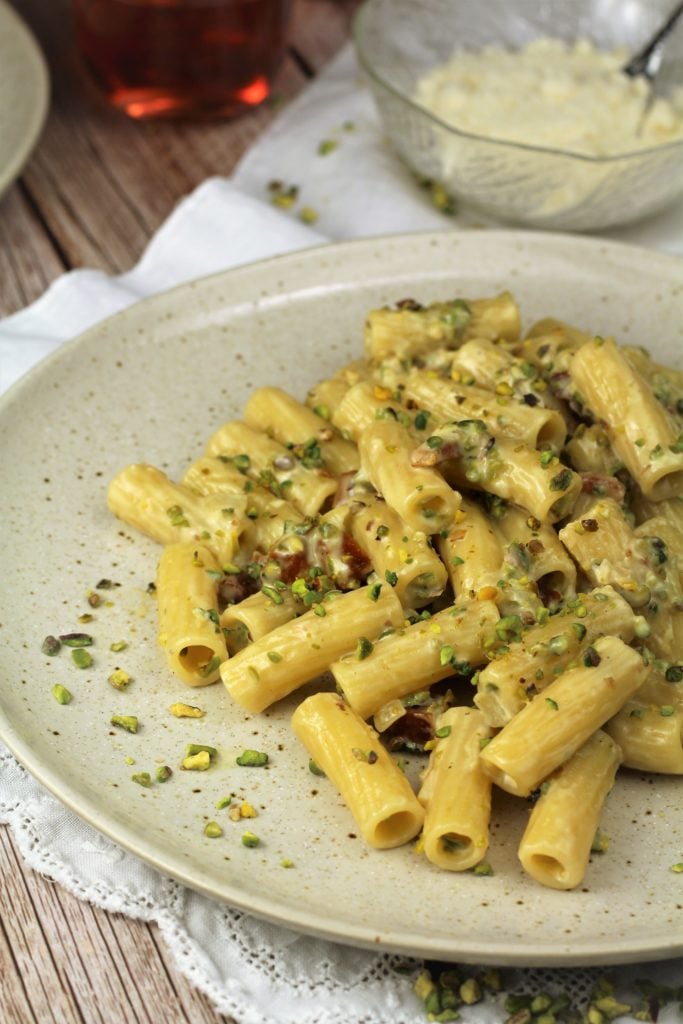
(16, 36)
(348, 256)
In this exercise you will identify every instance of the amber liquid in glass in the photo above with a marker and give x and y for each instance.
(174, 58)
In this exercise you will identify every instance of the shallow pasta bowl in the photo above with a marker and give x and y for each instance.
(152, 384)
(398, 41)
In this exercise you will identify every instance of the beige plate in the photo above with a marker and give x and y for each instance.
(24, 93)
(151, 384)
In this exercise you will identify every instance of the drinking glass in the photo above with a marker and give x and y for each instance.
(176, 58)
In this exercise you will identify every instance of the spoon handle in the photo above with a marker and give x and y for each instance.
(646, 62)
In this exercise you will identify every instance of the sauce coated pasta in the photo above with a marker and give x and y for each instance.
(476, 532)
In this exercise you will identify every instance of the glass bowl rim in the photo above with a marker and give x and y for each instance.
(358, 31)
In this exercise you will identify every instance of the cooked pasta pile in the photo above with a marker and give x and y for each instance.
(479, 535)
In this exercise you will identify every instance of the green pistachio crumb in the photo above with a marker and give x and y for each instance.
(443, 732)
(163, 773)
(223, 802)
(252, 759)
(308, 215)
(76, 639)
(667, 710)
(198, 748)
(552, 704)
(677, 868)
(81, 658)
(143, 779)
(600, 843)
(127, 722)
(363, 648)
(314, 768)
(286, 863)
(51, 646)
(326, 146)
(61, 694)
(250, 840)
(196, 762)
(118, 645)
(186, 711)
(213, 830)
(119, 679)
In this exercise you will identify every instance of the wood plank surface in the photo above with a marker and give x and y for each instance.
(95, 189)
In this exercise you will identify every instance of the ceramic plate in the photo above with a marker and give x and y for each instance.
(24, 92)
(152, 384)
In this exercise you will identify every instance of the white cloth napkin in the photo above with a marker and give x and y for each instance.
(259, 973)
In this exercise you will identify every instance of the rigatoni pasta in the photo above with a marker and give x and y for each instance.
(475, 535)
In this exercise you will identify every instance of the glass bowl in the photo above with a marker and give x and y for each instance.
(398, 41)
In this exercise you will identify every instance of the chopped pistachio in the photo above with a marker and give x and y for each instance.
(223, 802)
(81, 658)
(61, 694)
(470, 991)
(363, 648)
(326, 146)
(118, 645)
(308, 215)
(482, 868)
(186, 711)
(250, 840)
(286, 863)
(76, 639)
(163, 773)
(119, 679)
(51, 646)
(315, 768)
(677, 868)
(196, 762)
(213, 830)
(600, 843)
(142, 779)
(127, 722)
(200, 748)
(252, 759)
(552, 704)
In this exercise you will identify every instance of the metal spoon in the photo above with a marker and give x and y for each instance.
(648, 60)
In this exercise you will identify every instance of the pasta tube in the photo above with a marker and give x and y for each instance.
(533, 549)
(421, 497)
(477, 459)
(641, 432)
(189, 629)
(471, 552)
(168, 513)
(296, 426)
(545, 733)
(362, 405)
(456, 826)
(412, 329)
(257, 615)
(266, 515)
(649, 727)
(509, 682)
(417, 656)
(298, 651)
(274, 466)
(373, 787)
(397, 553)
(534, 426)
(557, 841)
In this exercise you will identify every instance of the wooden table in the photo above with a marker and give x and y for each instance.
(95, 189)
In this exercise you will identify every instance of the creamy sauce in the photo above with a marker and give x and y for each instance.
(573, 98)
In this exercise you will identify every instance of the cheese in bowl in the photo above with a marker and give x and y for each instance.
(551, 94)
